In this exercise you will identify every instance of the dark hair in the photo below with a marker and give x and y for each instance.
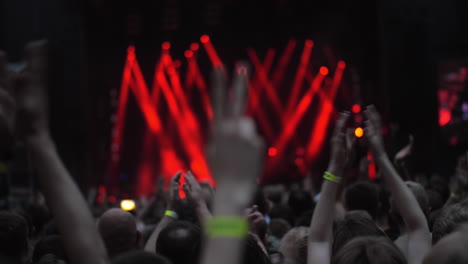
(39, 215)
(282, 211)
(353, 224)
(440, 185)
(13, 235)
(50, 228)
(180, 242)
(140, 257)
(279, 227)
(49, 245)
(300, 201)
(420, 194)
(253, 254)
(274, 193)
(261, 202)
(50, 259)
(362, 196)
(368, 250)
(449, 219)
(421, 197)
(305, 218)
(435, 200)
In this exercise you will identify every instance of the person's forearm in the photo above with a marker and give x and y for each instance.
(221, 249)
(72, 215)
(320, 232)
(151, 244)
(409, 208)
(203, 213)
(322, 220)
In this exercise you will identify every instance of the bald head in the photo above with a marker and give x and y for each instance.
(118, 230)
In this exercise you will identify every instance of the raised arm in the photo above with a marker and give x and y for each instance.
(72, 215)
(419, 242)
(236, 155)
(320, 232)
(169, 215)
(194, 193)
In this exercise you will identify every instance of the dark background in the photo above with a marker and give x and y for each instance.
(393, 46)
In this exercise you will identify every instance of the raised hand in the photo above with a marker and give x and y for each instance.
(419, 240)
(236, 151)
(235, 155)
(31, 93)
(406, 150)
(173, 192)
(195, 196)
(373, 132)
(257, 223)
(339, 146)
(192, 189)
(71, 213)
(320, 232)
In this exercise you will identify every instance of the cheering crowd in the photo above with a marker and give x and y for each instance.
(388, 220)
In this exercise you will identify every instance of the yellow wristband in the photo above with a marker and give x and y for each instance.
(171, 214)
(227, 226)
(331, 177)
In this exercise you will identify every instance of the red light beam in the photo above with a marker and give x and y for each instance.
(212, 54)
(298, 80)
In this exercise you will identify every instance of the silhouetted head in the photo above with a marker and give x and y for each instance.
(253, 253)
(180, 242)
(369, 250)
(353, 224)
(362, 196)
(49, 245)
(13, 235)
(449, 220)
(421, 197)
(118, 231)
(140, 257)
(292, 243)
(279, 227)
(300, 201)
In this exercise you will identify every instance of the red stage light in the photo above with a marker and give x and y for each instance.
(356, 108)
(359, 132)
(324, 70)
(194, 46)
(371, 167)
(188, 54)
(341, 64)
(204, 39)
(272, 152)
(131, 49)
(166, 45)
(444, 116)
(309, 43)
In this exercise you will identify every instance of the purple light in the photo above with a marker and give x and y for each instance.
(465, 107)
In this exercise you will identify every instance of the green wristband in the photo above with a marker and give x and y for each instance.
(171, 214)
(328, 176)
(227, 226)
